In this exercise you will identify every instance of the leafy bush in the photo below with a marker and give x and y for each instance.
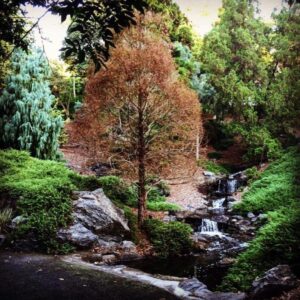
(169, 239)
(261, 145)
(5, 216)
(213, 167)
(42, 192)
(117, 190)
(252, 174)
(156, 201)
(276, 193)
(162, 206)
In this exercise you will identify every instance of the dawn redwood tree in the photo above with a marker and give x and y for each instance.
(137, 114)
(27, 119)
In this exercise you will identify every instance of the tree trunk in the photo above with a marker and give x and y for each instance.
(141, 157)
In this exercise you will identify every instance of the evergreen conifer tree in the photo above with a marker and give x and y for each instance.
(27, 119)
(234, 53)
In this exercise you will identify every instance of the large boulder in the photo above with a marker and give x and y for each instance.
(78, 235)
(274, 282)
(95, 218)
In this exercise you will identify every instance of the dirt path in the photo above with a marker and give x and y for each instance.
(185, 191)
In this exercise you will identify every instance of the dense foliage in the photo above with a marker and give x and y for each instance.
(169, 239)
(92, 22)
(276, 193)
(254, 71)
(27, 118)
(40, 191)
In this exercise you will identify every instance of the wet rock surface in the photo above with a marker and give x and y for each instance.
(273, 283)
(200, 291)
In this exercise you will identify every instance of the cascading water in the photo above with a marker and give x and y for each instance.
(209, 227)
(231, 185)
(218, 206)
(218, 203)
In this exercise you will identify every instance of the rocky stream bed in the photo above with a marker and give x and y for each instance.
(119, 271)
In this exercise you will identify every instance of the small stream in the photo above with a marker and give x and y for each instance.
(211, 264)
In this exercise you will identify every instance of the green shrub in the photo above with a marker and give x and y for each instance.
(5, 217)
(169, 239)
(276, 193)
(117, 190)
(162, 206)
(252, 174)
(213, 167)
(155, 195)
(42, 190)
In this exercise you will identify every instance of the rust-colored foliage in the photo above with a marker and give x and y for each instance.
(140, 87)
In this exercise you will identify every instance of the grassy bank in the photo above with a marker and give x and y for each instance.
(276, 193)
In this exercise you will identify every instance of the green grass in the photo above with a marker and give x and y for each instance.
(42, 191)
(276, 193)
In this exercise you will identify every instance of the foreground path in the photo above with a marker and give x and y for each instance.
(34, 276)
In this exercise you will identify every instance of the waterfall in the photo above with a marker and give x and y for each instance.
(209, 227)
(218, 203)
(231, 185)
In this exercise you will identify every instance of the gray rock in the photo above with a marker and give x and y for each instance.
(262, 216)
(227, 296)
(250, 215)
(209, 174)
(17, 221)
(192, 284)
(96, 212)
(96, 220)
(274, 282)
(199, 213)
(78, 235)
(199, 290)
(128, 246)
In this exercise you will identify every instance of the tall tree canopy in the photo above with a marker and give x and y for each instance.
(234, 54)
(95, 23)
(27, 119)
(136, 113)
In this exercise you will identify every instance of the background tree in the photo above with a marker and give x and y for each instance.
(94, 22)
(233, 54)
(283, 94)
(136, 113)
(27, 119)
(67, 87)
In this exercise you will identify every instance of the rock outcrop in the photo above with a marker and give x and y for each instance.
(96, 219)
(274, 282)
